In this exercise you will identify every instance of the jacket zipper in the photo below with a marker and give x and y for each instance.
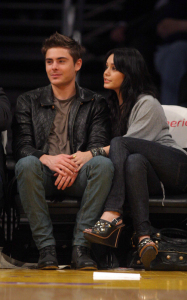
(73, 126)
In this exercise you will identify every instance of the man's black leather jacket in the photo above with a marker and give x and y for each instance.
(89, 124)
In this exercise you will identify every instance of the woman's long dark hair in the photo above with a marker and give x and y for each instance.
(137, 81)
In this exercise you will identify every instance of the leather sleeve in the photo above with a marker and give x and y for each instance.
(99, 130)
(23, 143)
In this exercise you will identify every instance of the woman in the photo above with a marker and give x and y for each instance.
(145, 157)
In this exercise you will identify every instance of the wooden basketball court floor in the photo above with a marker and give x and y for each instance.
(79, 285)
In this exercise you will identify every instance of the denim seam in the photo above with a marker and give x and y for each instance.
(87, 197)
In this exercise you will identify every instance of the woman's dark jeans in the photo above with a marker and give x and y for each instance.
(140, 166)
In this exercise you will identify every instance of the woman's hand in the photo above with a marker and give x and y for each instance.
(107, 149)
(80, 158)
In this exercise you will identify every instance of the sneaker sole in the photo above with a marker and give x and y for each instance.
(49, 268)
(73, 267)
(87, 268)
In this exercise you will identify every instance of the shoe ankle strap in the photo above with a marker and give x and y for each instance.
(144, 242)
(116, 220)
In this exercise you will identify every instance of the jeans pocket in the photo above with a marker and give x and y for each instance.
(181, 179)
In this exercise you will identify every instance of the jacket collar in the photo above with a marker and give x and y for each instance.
(46, 96)
(82, 95)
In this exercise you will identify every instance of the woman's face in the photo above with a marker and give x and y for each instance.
(112, 78)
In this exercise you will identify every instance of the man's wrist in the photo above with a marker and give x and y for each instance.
(43, 158)
(38, 153)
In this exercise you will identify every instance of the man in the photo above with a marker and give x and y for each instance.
(5, 121)
(56, 132)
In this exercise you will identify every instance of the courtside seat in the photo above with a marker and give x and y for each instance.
(60, 209)
(174, 204)
(63, 211)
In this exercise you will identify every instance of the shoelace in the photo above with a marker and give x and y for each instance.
(81, 250)
(46, 250)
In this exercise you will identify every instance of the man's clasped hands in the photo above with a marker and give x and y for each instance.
(66, 167)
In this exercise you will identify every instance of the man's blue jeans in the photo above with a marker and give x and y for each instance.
(36, 181)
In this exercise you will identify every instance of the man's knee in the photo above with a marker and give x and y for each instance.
(27, 165)
(102, 165)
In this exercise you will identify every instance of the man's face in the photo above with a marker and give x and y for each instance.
(60, 66)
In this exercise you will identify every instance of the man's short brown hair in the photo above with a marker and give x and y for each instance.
(62, 41)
